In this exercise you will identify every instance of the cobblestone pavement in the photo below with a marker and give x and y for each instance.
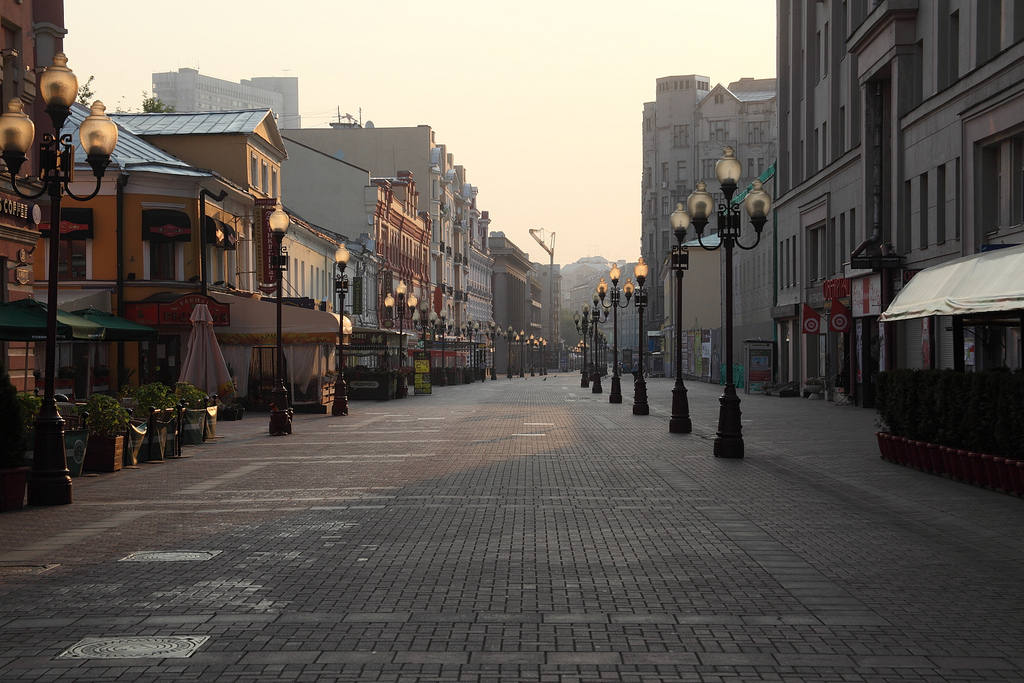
(522, 530)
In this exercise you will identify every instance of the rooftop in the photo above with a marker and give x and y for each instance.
(242, 121)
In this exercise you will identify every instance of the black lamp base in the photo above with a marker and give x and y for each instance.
(615, 396)
(640, 406)
(729, 442)
(680, 422)
(50, 480)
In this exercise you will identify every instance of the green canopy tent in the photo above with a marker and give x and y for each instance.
(25, 320)
(117, 329)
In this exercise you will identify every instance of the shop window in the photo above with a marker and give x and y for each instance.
(71, 260)
(161, 260)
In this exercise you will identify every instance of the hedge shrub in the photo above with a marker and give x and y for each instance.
(976, 411)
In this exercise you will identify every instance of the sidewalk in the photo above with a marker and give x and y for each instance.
(523, 530)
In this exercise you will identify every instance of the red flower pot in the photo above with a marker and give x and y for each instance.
(987, 471)
(999, 473)
(1018, 471)
(963, 466)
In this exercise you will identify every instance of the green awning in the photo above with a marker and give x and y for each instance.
(765, 176)
(117, 329)
(25, 320)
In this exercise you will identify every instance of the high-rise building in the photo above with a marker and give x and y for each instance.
(187, 91)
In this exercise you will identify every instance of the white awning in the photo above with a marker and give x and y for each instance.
(989, 282)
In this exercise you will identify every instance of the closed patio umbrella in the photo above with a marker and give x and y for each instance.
(204, 364)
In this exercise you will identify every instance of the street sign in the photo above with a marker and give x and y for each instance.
(421, 378)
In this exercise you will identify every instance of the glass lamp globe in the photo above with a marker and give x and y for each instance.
(412, 301)
(757, 202)
(614, 273)
(700, 202)
(389, 302)
(342, 255)
(279, 221)
(58, 84)
(16, 129)
(401, 289)
(728, 168)
(98, 133)
(680, 221)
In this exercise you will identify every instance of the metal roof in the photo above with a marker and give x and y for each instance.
(242, 121)
(753, 95)
(131, 152)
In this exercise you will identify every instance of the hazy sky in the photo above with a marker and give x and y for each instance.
(541, 101)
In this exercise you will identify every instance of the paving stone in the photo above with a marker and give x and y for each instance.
(420, 540)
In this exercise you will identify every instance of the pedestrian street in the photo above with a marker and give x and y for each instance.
(520, 529)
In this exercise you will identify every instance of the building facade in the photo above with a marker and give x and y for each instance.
(900, 148)
(684, 132)
(186, 90)
(511, 295)
(449, 200)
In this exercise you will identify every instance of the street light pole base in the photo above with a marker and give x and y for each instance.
(640, 406)
(596, 387)
(340, 405)
(729, 442)
(615, 396)
(680, 422)
(584, 382)
(50, 480)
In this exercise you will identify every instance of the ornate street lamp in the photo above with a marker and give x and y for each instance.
(582, 323)
(492, 333)
(729, 441)
(597, 315)
(509, 334)
(405, 303)
(640, 406)
(522, 352)
(679, 423)
(340, 405)
(280, 407)
(50, 482)
(602, 291)
(440, 321)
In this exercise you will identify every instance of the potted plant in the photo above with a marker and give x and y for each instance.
(194, 401)
(155, 401)
(106, 421)
(13, 469)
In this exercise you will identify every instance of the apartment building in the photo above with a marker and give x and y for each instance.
(900, 148)
(187, 90)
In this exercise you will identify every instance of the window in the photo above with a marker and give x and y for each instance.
(843, 253)
(853, 230)
(664, 172)
(274, 189)
(719, 130)
(989, 19)
(681, 135)
(904, 229)
(719, 98)
(707, 167)
(940, 204)
(990, 184)
(824, 52)
(923, 209)
(757, 131)
(71, 260)
(664, 205)
(830, 249)
(161, 260)
(824, 144)
(254, 171)
(842, 130)
(264, 178)
(681, 170)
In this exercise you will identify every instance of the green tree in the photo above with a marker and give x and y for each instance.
(85, 92)
(151, 104)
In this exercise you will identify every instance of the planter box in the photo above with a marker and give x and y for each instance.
(104, 453)
(980, 469)
(75, 442)
(13, 486)
(192, 426)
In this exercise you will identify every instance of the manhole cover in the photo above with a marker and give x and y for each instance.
(136, 646)
(170, 556)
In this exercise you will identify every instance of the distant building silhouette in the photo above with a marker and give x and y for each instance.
(188, 91)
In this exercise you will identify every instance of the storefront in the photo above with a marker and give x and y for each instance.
(159, 360)
(18, 239)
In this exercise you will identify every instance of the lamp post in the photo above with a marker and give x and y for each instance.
(615, 396)
(280, 410)
(729, 441)
(492, 333)
(441, 328)
(522, 352)
(596, 312)
(340, 405)
(50, 482)
(582, 323)
(543, 356)
(398, 308)
(509, 334)
(680, 422)
(640, 406)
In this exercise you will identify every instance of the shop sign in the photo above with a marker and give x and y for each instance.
(421, 366)
(176, 313)
(15, 208)
(169, 231)
(836, 288)
(265, 244)
(866, 296)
